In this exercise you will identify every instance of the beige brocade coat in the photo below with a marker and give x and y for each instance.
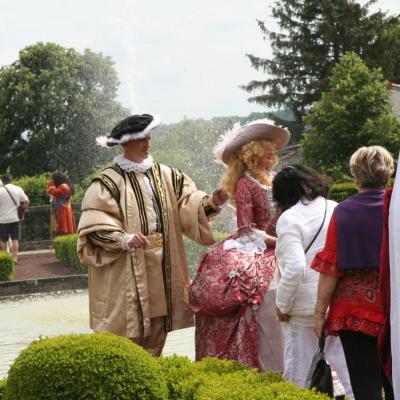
(119, 298)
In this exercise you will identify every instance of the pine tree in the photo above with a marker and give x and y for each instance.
(313, 35)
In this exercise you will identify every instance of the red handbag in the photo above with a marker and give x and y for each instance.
(20, 209)
(21, 212)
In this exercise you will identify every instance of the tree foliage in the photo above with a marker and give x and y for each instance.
(54, 101)
(355, 112)
(313, 35)
(188, 146)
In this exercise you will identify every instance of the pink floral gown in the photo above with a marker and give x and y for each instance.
(250, 334)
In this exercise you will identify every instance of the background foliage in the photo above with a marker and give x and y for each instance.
(54, 101)
(312, 36)
(356, 111)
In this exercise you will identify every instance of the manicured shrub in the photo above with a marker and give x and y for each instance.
(6, 267)
(99, 366)
(65, 249)
(184, 377)
(244, 385)
(341, 191)
(3, 383)
(214, 379)
(35, 188)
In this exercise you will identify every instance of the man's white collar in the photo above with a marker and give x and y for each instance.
(131, 166)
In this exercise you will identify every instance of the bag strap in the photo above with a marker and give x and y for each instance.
(319, 229)
(321, 343)
(5, 187)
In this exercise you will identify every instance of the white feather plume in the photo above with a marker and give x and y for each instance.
(224, 139)
(102, 141)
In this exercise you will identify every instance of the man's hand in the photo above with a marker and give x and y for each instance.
(219, 196)
(281, 317)
(138, 240)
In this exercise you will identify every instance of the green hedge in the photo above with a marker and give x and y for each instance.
(213, 379)
(98, 366)
(246, 386)
(3, 384)
(184, 377)
(104, 366)
(65, 249)
(6, 267)
(341, 191)
(35, 188)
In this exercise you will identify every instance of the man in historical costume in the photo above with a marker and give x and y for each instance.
(130, 235)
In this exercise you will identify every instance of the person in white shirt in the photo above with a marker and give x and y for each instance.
(11, 196)
(301, 196)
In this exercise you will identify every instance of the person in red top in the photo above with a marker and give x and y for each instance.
(60, 190)
(349, 274)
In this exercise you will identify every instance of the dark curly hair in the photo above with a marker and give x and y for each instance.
(59, 178)
(297, 182)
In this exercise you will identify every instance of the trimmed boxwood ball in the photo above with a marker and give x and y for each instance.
(184, 377)
(6, 266)
(98, 366)
(214, 379)
(241, 386)
(3, 383)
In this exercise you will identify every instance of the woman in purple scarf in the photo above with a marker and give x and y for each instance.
(349, 274)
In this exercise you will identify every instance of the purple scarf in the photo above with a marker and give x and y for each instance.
(359, 227)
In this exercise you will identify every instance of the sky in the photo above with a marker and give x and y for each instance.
(174, 58)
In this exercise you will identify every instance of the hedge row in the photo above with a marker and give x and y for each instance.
(65, 249)
(35, 188)
(102, 366)
(6, 267)
(341, 191)
(3, 383)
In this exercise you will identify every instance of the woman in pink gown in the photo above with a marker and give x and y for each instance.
(233, 293)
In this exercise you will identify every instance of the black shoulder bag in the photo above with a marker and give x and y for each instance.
(320, 375)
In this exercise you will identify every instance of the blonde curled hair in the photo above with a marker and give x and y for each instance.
(372, 167)
(246, 159)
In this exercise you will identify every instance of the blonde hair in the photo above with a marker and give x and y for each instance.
(372, 167)
(246, 159)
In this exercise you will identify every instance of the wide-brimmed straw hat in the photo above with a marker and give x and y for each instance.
(234, 139)
(131, 128)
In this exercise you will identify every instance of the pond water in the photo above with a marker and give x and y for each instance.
(24, 319)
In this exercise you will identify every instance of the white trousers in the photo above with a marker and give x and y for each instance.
(301, 344)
